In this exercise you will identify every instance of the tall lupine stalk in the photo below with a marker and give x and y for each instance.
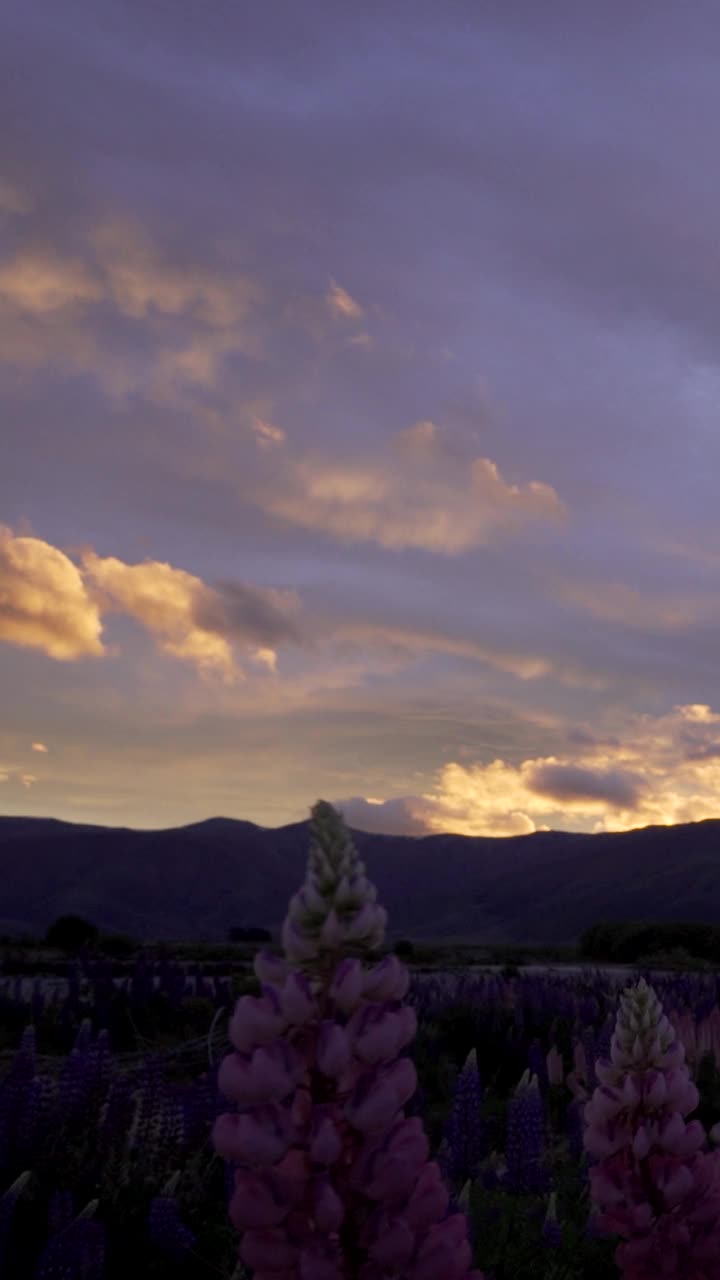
(464, 1130)
(654, 1185)
(525, 1140)
(333, 1181)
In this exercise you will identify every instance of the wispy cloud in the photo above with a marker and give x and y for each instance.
(420, 492)
(342, 304)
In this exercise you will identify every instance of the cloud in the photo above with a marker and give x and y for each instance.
(341, 304)
(48, 602)
(267, 435)
(422, 493)
(140, 281)
(39, 746)
(129, 311)
(39, 282)
(664, 770)
(163, 599)
(11, 774)
(44, 602)
(410, 644)
(191, 620)
(617, 602)
(614, 787)
(384, 817)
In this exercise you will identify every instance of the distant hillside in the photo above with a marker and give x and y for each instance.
(195, 882)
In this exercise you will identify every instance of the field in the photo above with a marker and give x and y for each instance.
(108, 1094)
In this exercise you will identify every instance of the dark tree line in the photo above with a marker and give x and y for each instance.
(629, 940)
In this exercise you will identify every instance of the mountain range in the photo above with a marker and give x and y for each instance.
(193, 883)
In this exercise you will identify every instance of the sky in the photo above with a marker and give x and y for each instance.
(359, 430)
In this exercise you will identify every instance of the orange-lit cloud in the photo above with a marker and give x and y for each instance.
(39, 746)
(631, 607)
(412, 644)
(44, 602)
(665, 770)
(342, 304)
(38, 282)
(48, 602)
(55, 308)
(141, 281)
(11, 774)
(163, 599)
(422, 492)
(267, 434)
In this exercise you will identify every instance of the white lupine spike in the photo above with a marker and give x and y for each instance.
(336, 904)
(524, 1081)
(463, 1199)
(170, 1186)
(89, 1211)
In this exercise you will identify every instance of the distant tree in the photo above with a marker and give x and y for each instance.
(240, 933)
(71, 933)
(404, 949)
(117, 945)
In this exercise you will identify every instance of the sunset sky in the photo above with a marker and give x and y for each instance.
(359, 412)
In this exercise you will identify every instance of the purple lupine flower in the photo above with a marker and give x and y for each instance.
(167, 1230)
(525, 1142)
(575, 1129)
(100, 1062)
(552, 1231)
(537, 1065)
(60, 1211)
(15, 1098)
(79, 1250)
(28, 1122)
(464, 1129)
(8, 1202)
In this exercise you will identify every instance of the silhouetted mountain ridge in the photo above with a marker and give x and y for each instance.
(195, 882)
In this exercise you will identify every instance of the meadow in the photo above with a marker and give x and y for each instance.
(109, 1092)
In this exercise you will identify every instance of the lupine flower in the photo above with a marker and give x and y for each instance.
(60, 1211)
(464, 1130)
(8, 1201)
(167, 1230)
(655, 1186)
(525, 1143)
(552, 1231)
(78, 1250)
(332, 1178)
(538, 1065)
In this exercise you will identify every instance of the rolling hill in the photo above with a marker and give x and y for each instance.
(194, 882)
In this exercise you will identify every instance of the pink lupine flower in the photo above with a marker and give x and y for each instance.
(655, 1186)
(259, 1137)
(334, 1181)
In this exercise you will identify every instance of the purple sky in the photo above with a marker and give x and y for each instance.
(359, 411)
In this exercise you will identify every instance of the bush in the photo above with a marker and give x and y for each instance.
(118, 946)
(404, 949)
(71, 933)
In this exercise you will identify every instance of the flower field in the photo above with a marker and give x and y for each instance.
(348, 1119)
